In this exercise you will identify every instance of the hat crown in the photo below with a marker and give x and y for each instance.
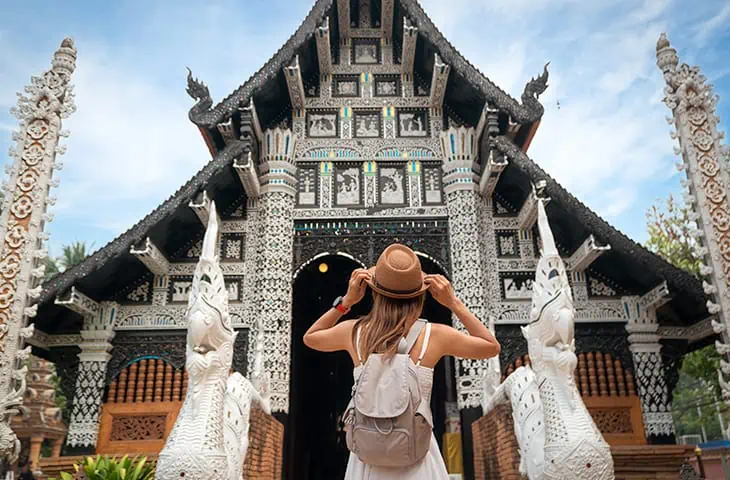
(398, 272)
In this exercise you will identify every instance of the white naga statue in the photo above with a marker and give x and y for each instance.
(210, 436)
(556, 434)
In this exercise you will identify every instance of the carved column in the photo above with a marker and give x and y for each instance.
(649, 370)
(704, 161)
(95, 354)
(274, 256)
(465, 209)
(46, 101)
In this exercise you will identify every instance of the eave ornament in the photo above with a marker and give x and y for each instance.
(586, 254)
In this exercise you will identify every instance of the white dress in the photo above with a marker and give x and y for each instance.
(431, 467)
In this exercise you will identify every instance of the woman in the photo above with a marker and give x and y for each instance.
(399, 290)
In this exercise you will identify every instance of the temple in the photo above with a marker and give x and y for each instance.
(365, 128)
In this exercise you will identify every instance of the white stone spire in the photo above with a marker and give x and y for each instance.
(46, 100)
(704, 162)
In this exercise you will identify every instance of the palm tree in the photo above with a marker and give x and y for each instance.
(73, 254)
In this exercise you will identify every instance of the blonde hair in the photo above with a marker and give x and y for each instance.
(386, 323)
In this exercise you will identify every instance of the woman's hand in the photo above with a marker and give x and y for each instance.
(441, 290)
(356, 288)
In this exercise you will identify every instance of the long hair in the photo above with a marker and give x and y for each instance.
(386, 324)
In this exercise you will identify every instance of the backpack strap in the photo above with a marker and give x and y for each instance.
(412, 336)
(357, 344)
(425, 344)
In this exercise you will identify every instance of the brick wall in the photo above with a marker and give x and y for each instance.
(496, 453)
(265, 449)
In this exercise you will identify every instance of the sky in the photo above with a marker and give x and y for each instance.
(604, 135)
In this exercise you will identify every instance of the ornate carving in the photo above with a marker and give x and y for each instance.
(40, 110)
(573, 446)
(127, 428)
(364, 240)
(195, 446)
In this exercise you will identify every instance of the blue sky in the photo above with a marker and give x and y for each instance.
(132, 145)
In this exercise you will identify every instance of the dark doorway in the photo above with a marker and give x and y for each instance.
(321, 383)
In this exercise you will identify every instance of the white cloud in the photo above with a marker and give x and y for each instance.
(707, 28)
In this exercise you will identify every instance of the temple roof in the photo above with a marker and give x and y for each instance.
(173, 223)
(469, 89)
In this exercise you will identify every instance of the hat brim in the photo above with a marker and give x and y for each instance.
(395, 295)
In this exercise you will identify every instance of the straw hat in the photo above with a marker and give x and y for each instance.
(398, 273)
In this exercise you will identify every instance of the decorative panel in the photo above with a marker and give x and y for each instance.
(392, 185)
(346, 86)
(232, 247)
(432, 184)
(516, 285)
(307, 186)
(348, 185)
(507, 243)
(138, 292)
(322, 124)
(367, 124)
(413, 123)
(179, 288)
(234, 287)
(387, 86)
(365, 51)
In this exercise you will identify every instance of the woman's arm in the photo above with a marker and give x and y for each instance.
(325, 334)
(480, 343)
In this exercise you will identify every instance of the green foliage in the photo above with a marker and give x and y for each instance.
(697, 396)
(670, 237)
(71, 255)
(105, 468)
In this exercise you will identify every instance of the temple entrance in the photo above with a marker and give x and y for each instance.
(321, 383)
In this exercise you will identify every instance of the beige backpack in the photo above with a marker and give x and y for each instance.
(387, 422)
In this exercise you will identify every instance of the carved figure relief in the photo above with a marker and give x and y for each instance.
(180, 290)
(413, 124)
(392, 186)
(367, 125)
(517, 286)
(322, 124)
(348, 186)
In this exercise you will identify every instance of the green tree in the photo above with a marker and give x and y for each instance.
(72, 255)
(670, 236)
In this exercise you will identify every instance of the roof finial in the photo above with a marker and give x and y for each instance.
(197, 89)
(536, 86)
(666, 56)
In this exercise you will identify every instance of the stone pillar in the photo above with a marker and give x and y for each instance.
(41, 108)
(90, 379)
(34, 455)
(466, 209)
(649, 371)
(704, 161)
(273, 264)
(56, 448)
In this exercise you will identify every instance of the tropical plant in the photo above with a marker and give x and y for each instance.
(695, 406)
(105, 468)
(72, 255)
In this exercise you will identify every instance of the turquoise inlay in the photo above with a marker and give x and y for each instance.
(453, 144)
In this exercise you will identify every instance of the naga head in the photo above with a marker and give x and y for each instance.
(208, 320)
(552, 312)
